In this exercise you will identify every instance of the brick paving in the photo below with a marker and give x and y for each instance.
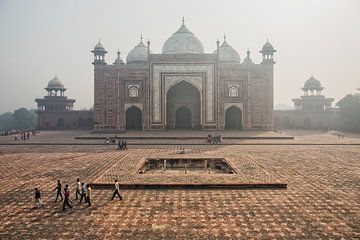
(322, 200)
(247, 170)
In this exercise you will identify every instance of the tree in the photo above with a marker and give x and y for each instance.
(24, 119)
(349, 110)
(6, 121)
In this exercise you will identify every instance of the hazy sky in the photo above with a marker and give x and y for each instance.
(39, 39)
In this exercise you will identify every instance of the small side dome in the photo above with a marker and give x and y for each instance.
(99, 47)
(118, 60)
(183, 41)
(227, 53)
(55, 83)
(138, 54)
(248, 60)
(267, 48)
(312, 83)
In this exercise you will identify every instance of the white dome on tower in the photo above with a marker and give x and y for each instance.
(55, 83)
(182, 41)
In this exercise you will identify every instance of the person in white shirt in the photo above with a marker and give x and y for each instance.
(116, 191)
(83, 193)
(78, 188)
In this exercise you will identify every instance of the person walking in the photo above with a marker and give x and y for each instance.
(67, 197)
(83, 193)
(88, 194)
(38, 202)
(116, 191)
(78, 188)
(58, 191)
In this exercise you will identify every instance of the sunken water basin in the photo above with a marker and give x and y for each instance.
(176, 166)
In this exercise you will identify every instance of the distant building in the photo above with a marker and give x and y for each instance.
(55, 111)
(311, 111)
(183, 87)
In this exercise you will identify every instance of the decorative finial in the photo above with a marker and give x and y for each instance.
(118, 53)
(55, 75)
(225, 37)
(312, 75)
(248, 53)
(148, 41)
(141, 38)
(183, 21)
(267, 39)
(99, 40)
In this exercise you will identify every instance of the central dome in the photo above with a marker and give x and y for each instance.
(182, 41)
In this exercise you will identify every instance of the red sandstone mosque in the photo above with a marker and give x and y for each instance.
(183, 87)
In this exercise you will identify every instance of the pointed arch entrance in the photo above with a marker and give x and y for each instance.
(233, 118)
(133, 118)
(183, 106)
(183, 118)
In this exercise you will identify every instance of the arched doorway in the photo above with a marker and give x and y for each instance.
(183, 118)
(133, 118)
(183, 106)
(81, 122)
(233, 118)
(90, 123)
(60, 123)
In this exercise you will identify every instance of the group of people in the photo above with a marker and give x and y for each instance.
(24, 136)
(340, 135)
(83, 191)
(213, 139)
(121, 143)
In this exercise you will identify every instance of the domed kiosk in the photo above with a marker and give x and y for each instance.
(55, 111)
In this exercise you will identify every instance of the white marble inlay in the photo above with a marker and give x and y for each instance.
(180, 69)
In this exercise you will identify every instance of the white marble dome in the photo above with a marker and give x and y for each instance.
(138, 54)
(181, 42)
(227, 53)
(312, 83)
(55, 83)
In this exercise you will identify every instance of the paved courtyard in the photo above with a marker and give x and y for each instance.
(322, 200)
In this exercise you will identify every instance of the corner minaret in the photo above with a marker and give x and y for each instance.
(99, 54)
(268, 53)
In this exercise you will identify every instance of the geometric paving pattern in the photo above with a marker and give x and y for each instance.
(125, 170)
(322, 200)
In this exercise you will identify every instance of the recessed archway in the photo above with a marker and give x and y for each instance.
(183, 106)
(81, 122)
(60, 123)
(233, 118)
(133, 118)
(183, 118)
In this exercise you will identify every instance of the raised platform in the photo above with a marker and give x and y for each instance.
(241, 171)
(189, 135)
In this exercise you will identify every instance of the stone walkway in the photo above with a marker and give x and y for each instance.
(322, 200)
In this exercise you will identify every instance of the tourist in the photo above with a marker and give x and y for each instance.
(78, 188)
(107, 140)
(16, 137)
(67, 197)
(58, 191)
(27, 135)
(116, 191)
(120, 146)
(88, 194)
(83, 193)
(38, 202)
(125, 144)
